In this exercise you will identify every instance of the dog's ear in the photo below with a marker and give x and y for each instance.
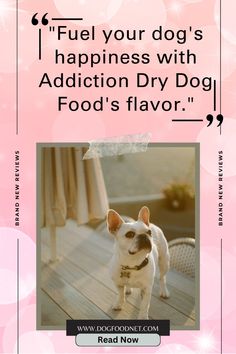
(144, 215)
(114, 221)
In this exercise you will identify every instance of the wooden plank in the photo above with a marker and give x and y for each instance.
(103, 296)
(69, 299)
(52, 314)
(181, 282)
(53, 243)
(87, 238)
(179, 300)
(90, 258)
(69, 245)
(92, 290)
(77, 235)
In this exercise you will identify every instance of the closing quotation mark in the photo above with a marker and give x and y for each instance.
(220, 119)
(35, 21)
(210, 119)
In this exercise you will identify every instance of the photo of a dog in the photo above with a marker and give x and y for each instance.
(118, 236)
(138, 247)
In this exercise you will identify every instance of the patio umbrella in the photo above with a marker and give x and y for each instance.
(70, 188)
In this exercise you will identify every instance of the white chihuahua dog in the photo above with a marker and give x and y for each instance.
(133, 263)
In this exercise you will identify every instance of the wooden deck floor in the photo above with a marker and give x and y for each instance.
(78, 285)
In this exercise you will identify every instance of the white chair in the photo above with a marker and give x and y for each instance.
(182, 255)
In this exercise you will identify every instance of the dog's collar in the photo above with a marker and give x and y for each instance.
(137, 267)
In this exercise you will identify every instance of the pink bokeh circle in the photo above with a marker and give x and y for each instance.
(8, 253)
(190, 1)
(27, 48)
(208, 55)
(138, 10)
(35, 342)
(78, 127)
(92, 12)
(228, 19)
(210, 278)
(211, 284)
(8, 264)
(52, 341)
(27, 324)
(175, 348)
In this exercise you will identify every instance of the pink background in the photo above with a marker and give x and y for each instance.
(40, 122)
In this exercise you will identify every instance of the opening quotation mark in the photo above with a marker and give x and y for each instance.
(44, 22)
(219, 118)
(35, 21)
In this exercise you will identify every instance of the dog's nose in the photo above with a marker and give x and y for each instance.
(144, 242)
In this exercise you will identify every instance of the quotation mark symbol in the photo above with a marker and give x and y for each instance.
(44, 22)
(220, 119)
(35, 21)
(210, 119)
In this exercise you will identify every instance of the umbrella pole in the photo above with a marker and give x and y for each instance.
(53, 243)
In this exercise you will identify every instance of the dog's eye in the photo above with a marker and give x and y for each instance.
(130, 234)
(149, 232)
